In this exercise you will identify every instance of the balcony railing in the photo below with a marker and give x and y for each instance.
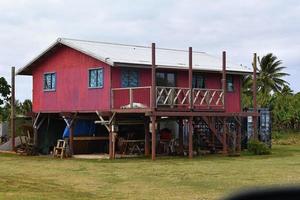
(168, 97)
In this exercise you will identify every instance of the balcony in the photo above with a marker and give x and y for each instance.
(168, 98)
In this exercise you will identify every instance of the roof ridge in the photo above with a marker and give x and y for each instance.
(130, 45)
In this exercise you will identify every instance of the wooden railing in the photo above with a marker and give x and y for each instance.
(208, 98)
(131, 97)
(167, 97)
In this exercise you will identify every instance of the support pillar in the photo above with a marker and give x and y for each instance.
(254, 97)
(110, 141)
(239, 136)
(147, 138)
(224, 84)
(191, 130)
(71, 128)
(191, 77)
(13, 110)
(180, 134)
(225, 133)
(153, 131)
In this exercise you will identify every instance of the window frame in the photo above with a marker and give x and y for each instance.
(89, 80)
(165, 78)
(199, 75)
(232, 82)
(127, 69)
(44, 78)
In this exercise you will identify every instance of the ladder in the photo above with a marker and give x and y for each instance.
(60, 149)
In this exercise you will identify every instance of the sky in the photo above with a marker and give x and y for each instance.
(240, 27)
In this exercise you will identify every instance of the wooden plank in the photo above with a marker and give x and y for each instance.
(13, 109)
(224, 84)
(90, 138)
(191, 77)
(187, 114)
(153, 131)
(147, 138)
(191, 130)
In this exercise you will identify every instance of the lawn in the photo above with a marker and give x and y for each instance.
(208, 177)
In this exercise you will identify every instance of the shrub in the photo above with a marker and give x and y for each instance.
(258, 148)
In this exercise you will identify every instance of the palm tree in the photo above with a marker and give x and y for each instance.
(270, 75)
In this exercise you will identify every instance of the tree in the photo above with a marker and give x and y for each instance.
(270, 75)
(4, 91)
(4, 98)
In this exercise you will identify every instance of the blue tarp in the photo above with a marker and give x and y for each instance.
(82, 128)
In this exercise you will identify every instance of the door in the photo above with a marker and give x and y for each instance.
(166, 81)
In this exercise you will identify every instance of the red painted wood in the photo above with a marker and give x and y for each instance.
(72, 92)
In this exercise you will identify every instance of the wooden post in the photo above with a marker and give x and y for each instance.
(239, 135)
(224, 84)
(180, 134)
(71, 128)
(213, 122)
(153, 79)
(130, 98)
(224, 136)
(147, 144)
(191, 137)
(255, 136)
(13, 109)
(191, 76)
(110, 141)
(153, 131)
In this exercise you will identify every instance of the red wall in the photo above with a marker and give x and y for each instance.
(72, 92)
(212, 81)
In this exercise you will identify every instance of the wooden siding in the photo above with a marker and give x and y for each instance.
(72, 92)
(212, 81)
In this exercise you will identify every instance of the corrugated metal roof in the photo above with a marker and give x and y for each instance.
(113, 54)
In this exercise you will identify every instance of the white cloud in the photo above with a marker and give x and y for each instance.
(240, 27)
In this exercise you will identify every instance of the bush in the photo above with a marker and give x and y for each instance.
(258, 148)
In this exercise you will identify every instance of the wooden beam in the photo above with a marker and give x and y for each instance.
(224, 84)
(191, 77)
(147, 137)
(239, 136)
(191, 130)
(211, 127)
(71, 139)
(254, 97)
(153, 131)
(110, 142)
(195, 114)
(180, 134)
(225, 132)
(153, 79)
(13, 109)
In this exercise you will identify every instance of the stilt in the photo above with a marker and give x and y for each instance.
(110, 142)
(180, 134)
(255, 133)
(239, 136)
(191, 137)
(153, 131)
(13, 110)
(225, 130)
(147, 138)
(71, 128)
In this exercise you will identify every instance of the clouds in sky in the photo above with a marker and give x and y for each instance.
(239, 27)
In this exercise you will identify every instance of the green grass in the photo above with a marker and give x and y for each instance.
(208, 177)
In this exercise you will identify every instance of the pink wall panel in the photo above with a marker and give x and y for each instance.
(72, 92)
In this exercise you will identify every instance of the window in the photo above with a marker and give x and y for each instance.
(198, 81)
(229, 81)
(49, 81)
(96, 78)
(129, 78)
(166, 79)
